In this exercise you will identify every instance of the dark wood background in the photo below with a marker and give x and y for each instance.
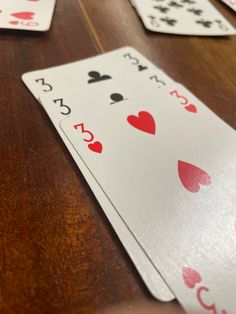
(58, 252)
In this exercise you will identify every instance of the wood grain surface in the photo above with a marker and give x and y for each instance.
(58, 252)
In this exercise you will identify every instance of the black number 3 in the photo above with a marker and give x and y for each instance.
(47, 87)
(60, 101)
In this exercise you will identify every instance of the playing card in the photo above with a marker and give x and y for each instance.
(99, 72)
(183, 17)
(96, 70)
(34, 15)
(169, 171)
(143, 264)
(230, 3)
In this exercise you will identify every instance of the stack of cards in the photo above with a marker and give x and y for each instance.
(34, 15)
(184, 17)
(161, 165)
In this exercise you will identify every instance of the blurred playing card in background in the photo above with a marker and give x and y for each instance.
(34, 15)
(183, 17)
(231, 4)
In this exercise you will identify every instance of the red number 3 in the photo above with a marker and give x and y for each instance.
(90, 134)
(211, 307)
(184, 100)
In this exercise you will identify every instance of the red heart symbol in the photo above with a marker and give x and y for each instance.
(23, 15)
(14, 22)
(192, 176)
(191, 277)
(95, 147)
(144, 122)
(191, 108)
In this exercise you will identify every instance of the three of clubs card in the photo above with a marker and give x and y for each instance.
(34, 15)
(162, 166)
(183, 17)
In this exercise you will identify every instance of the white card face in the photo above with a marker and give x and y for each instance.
(231, 4)
(171, 174)
(34, 15)
(103, 68)
(183, 17)
(142, 262)
(115, 64)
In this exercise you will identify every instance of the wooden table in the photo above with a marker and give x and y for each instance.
(58, 251)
